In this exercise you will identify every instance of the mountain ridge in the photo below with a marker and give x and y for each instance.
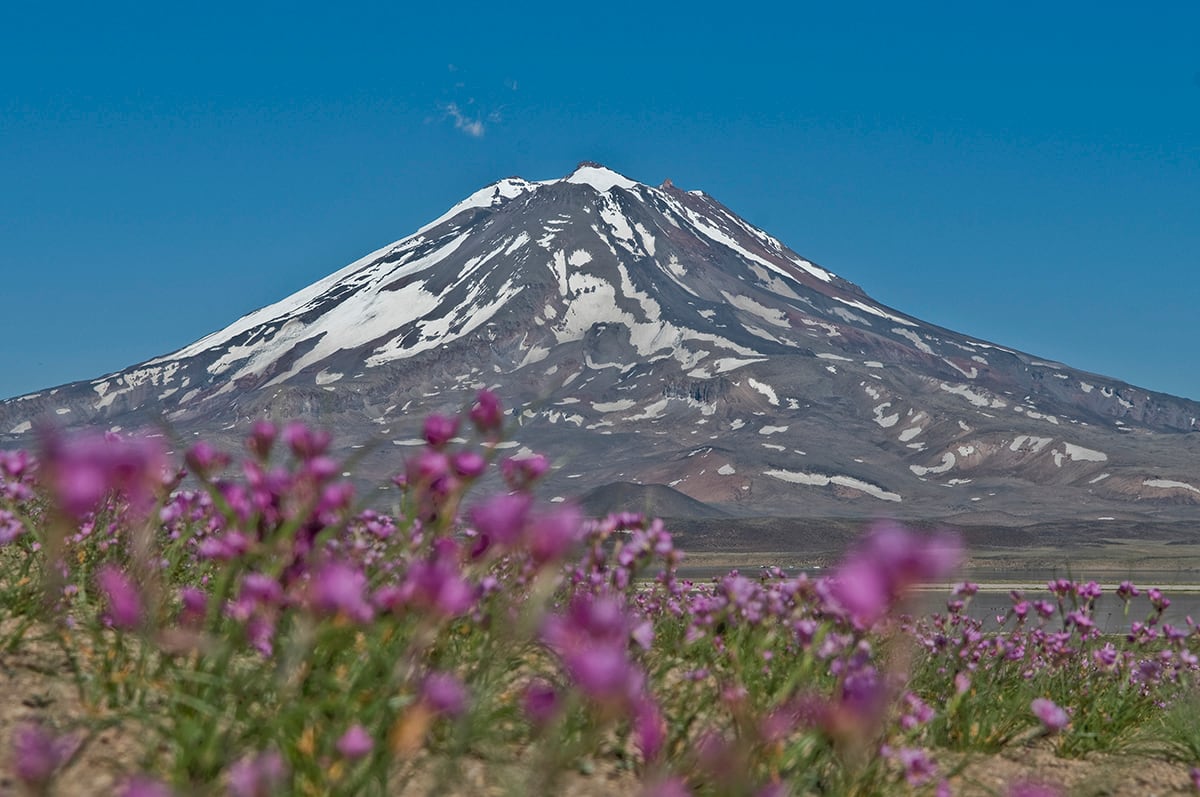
(654, 327)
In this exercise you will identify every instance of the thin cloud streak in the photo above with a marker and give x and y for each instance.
(472, 127)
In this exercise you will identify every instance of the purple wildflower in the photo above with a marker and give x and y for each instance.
(124, 602)
(355, 742)
(592, 640)
(502, 518)
(552, 534)
(521, 472)
(890, 561)
(469, 464)
(338, 588)
(1126, 590)
(649, 728)
(10, 527)
(204, 460)
(540, 702)
(261, 588)
(427, 467)
(37, 754)
(144, 786)
(918, 769)
(259, 775)
(487, 413)
(445, 694)
(306, 443)
(195, 605)
(439, 429)
(1052, 717)
(85, 469)
(261, 439)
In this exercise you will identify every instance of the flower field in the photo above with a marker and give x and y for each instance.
(256, 632)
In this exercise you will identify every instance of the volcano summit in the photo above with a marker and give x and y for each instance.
(649, 335)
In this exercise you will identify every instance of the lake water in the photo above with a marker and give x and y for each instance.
(993, 598)
(1109, 613)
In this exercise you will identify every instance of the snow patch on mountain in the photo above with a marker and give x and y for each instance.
(598, 177)
(977, 399)
(1081, 454)
(886, 421)
(765, 389)
(775, 317)
(1170, 484)
(915, 338)
(948, 462)
(824, 480)
(873, 310)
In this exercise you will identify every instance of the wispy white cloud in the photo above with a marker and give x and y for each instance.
(472, 127)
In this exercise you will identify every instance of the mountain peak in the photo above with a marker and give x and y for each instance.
(751, 376)
(599, 177)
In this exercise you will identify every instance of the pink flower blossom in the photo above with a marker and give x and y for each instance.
(1127, 590)
(888, 563)
(121, 594)
(427, 467)
(487, 413)
(502, 518)
(439, 429)
(83, 470)
(37, 754)
(540, 702)
(918, 768)
(468, 464)
(552, 534)
(261, 775)
(10, 527)
(339, 588)
(355, 742)
(1052, 717)
(304, 442)
(522, 472)
(144, 786)
(649, 728)
(204, 460)
(592, 640)
(445, 694)
(195, 606)
(261, 439)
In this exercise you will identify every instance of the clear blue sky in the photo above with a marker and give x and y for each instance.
(1026, 173)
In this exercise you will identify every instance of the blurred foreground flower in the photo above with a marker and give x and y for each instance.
(891, 560)
(259, 775)
(121, 595)
(355, 742)
(1051, 716)
(38, 754)
(83, 470)
(142, 786)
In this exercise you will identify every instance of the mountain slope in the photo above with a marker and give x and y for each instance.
(648, 334)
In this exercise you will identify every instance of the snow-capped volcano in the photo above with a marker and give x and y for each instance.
(649, 334)
(595, 247)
